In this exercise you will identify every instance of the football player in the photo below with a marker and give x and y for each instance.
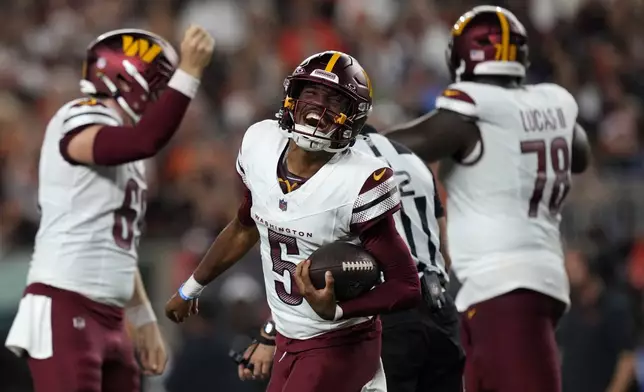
(306, 188)
(508, 150)
(420, 346)
(83, 276)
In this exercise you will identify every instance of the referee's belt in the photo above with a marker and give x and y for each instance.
(423, 269)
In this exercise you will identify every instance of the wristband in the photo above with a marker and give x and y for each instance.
(140, 315)
(338, 313)
(265, 341)
(190, 289)
(184, 83)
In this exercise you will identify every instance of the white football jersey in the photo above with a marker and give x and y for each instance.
(504, 198)
(294, 225)
(91, 216)
(417, 222)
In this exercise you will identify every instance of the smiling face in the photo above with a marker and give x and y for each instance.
(318, 106)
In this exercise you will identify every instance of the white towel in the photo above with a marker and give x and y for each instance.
(31, 328)
(378, 383)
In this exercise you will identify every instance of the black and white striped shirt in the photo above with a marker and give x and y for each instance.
(421, 206)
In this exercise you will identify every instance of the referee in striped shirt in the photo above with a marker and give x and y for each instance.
(421, 350)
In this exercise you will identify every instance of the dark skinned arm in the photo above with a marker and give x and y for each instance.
(445, 134)
(230, 245)
(438, 135)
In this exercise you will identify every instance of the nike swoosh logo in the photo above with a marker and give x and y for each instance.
(377, 177)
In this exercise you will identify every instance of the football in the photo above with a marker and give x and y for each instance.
(354, 270)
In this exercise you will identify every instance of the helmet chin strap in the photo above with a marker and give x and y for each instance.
(307, 143)
(310, 142)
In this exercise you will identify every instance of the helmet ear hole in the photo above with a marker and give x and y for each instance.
(122, 84)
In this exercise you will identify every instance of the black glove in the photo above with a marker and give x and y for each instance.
(433, 291)
(238, 357)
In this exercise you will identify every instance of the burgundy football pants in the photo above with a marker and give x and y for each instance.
(92, 352)
(341, 363)
(510, 343)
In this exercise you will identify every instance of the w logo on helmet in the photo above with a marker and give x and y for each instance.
(140, 47)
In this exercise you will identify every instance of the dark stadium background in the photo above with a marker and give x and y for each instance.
(594, 48)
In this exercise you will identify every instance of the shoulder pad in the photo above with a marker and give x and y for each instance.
(86, 112)
(457, 98)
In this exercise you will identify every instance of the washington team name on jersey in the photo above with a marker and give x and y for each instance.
(347, 195)
(282, 230)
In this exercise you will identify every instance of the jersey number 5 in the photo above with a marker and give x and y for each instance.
(286, 269)
(129, 215)
(560, 162)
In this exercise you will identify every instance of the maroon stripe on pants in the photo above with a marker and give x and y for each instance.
(510, 343)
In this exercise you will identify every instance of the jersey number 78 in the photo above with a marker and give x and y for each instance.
(559, 155)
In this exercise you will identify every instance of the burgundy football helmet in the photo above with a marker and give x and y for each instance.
(334, 131)
(129, 65)
(487, 40)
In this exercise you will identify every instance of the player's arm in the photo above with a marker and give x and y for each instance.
(138, 310)
(374, 223)
(439, 214)
(580, 150)
(234, 241)
(147, 337)
(450, 131)
(444, 248)
(91, 138)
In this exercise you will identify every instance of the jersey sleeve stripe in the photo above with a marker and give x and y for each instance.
(458, 95)
(375, 193)
(86, 119)
(391, 202)
(458, 106)
(85, 109)
(97, 114)
(376, 201)
(240, 171)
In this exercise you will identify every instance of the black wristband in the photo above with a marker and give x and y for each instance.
(265, 341)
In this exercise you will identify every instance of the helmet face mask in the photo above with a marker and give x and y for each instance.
(487, 41)
(327, 101)
(131, 66)
(319, 116)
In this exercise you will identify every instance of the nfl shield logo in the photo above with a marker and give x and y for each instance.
(283, 205)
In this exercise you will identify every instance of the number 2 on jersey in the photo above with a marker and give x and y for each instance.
(276, 240)
(560, 162)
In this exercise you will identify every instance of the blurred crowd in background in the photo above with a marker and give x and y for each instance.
(594, 48)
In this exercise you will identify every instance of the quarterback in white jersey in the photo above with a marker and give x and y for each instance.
(83, 277)
(306, 188)
(511, 149)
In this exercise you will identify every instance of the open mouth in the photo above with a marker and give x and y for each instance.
(312, 119)
(315, 120)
